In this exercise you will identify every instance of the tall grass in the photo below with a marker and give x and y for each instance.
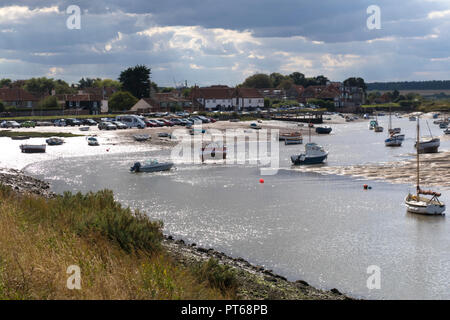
(118, 251)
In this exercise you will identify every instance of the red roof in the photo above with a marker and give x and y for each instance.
(16, 94)
(248, 93)
(215, 92)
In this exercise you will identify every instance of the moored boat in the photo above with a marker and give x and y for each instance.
(447, 131)
(20, 137)
(314, 154)
(84, 129)
(290, 135)
(378, 129)
(92, 141)
(54, 141)
(255, 126)
(290, 141)
(428, 145)
(373, 124)
(393, 142)
(324, 130)
(30, 148)
(151, 166)
(141, 137)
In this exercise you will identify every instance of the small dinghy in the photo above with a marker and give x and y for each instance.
(151, 166)
(164, 135)
(54, 141)
(28, 148)
(323, 130)
(92, 141)
(85, 129)
(291, 136)
(20, 138)
(141, 137)
(255, 126)
(290, 141)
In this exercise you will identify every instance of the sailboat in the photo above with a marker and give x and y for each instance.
(418, 203)
(428, 145)
(394, 139)
(314, 154)
(378, 128)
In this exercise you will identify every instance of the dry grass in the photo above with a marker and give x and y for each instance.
(40, 238)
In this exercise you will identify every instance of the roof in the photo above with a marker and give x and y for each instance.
(16, 94)
(215, 92)
(79, 97)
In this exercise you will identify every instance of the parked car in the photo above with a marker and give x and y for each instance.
(159, 122)
(106, 126)
(73, 122)
(177, 122)
(60, 123)
(28, 124)
(10, 124)
(120, 125)
(150, 123)
(167, 122)
(89, 122)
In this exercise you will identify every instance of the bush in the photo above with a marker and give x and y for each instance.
(122, 101)
(50, 102)
(217, 275)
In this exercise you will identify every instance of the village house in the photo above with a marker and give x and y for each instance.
(18, 97)
(95, 100)
(225, 98)
(162, 102)
(272, 93)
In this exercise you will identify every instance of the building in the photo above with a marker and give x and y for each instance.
(343, 97)
(272, 93)
(162, 102)
(18, 97)
(225, 98)
(93, 99)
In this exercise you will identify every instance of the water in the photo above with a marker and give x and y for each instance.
(320, 228)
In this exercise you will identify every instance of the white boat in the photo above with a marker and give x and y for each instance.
(30, 148)
(92, 141)
(314, 154)
(84, 128)
(255, 126)
(54, 141)
(373, 124)
(428, 145)
(291, 135)
(141, 137)
(415, 203)
(151, 166)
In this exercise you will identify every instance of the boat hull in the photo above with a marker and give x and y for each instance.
(299, 160)
(431, 146)
(422, 207)
(152, 168)
(33, 149)
(322, 130)
(393, 142)
(293, 141)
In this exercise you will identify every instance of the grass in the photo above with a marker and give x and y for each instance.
(381, 106)
(8, 133)
(119, 252)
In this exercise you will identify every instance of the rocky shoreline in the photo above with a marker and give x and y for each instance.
(255, 281)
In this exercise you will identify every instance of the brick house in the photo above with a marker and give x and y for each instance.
(226, 99)
(18, 97)
(162, 102)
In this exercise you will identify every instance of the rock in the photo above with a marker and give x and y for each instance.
(193, 244)
(335, 291)
(200, 249)
(170, 237)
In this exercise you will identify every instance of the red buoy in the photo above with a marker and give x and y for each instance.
(261, 180)
(365, 187)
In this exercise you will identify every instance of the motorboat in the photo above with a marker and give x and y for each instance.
(29, 148)
(443, 125)
(323, 130)
(447, 131)
(151, 166)
(418, 203)
(393, 142)
(84, 128)
(290, 141)
(373, 124)
(314, 154)
(290, 135)
(54, 141)
(141, 137)
(395, 139)
(92, 141)
(255, 126)
(378, 129)
(395, 131)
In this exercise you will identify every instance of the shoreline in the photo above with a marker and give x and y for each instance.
(256, 282)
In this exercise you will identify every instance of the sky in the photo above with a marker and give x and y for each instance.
(207, 42)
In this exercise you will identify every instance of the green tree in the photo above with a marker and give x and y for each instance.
(136, 80)
(41, 86)
(50, 102)
(259, 80)
(87, 83)
(167, 89)
(62, 87)
(276, 79)
(298, 78)
(355, 82)
(286, 84)
(266, 103)
(107, 83)
(121, 101)
(2, 106)
(5, 83)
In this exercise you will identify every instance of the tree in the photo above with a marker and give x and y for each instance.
(5, 83)
(40, 86)
(87, 83)
(62, 87)
(276, 79)
(50, 102)
(259, 80)
(122, 100)
(107, 83)
(2, 106)
(356, 82)
(136, 80)
(298, 78)
(286, 84)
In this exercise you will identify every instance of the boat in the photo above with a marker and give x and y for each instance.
(399, 136)
(213, 151)
(84, 128)
(151, 166)
(92, 141)
(296, 135)
(394, 139)
(393, 142)
(323, 130)
(164, 134)
(29, 148)
(373, 124)
(378, 129)
(141, 137)
(20, 138)
(290, 141)
(395, 131)
(443, 125)
(412, 118)
(314, 154)
(54, 141)
(255, 126)
(418, 203)
(428, 145)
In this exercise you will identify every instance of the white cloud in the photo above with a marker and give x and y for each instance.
(19, 14)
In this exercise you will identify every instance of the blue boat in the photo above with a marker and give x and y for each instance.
(314, 154)
(323, 130)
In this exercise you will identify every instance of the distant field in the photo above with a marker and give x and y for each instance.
(421, 92)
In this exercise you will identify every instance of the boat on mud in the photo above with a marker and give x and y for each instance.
(20, 137)
(84, 129)
(54, 141)
(30, 148)
(141, 137)
(428, 145)
(323, 130)
(314, 154)
(151, 166)
(92, 141)
(290, 135)
(255, 126)
(373, 124)
(290, 141)
(447, 131)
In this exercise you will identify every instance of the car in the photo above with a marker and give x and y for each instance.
(150, 123)
(159, 123)
(89, 122)
(177, 122)
(167, 122)
(106, 125)
(60, 123)
(212, 120)
(73, 122)
(119, 125)
(28, 124)
(10, 124)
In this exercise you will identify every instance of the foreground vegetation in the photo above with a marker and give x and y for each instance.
(118, 251)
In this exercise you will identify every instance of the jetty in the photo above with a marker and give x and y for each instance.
(306, 117)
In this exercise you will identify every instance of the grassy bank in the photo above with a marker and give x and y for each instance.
(118, 251)
(31, 134)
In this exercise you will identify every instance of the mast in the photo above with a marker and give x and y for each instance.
(417, 148)
(390, 119)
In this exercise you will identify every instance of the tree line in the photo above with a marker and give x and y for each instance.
(410, 85)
